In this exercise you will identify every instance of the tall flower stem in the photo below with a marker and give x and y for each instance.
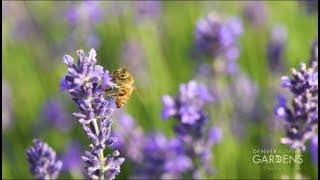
(101, 157)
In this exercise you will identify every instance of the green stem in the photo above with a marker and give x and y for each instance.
(101, 158)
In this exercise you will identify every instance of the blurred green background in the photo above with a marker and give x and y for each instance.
(36, 35)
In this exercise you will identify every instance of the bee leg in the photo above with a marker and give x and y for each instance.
(106, 90)
(122, 92)
(113, 94)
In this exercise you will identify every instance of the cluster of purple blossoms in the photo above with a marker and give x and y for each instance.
(191, 130)
(152, 156)
(85, 82)
(188, 105)
(276, 47)
(217, 38)
(302, 119)
(42, 160)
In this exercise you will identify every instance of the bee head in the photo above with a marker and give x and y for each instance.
(121, 74)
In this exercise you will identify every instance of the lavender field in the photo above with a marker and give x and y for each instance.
(160, 90)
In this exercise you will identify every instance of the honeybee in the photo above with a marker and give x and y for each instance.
(125, 86)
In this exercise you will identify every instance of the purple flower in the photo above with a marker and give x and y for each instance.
(281, 109)
(194, 138)
(54, 112)
(134, 58)
(214, 135)
(217, 38)
(164, 158)
(276, 47)
(256, 13)
(147, 9)
(112, 166)
(243, 90)
(42, 160)
(72, 157)
(309, 6)
(92, 40)
(314, 148)
(302, 119)
(86, 11)
(314, 54)
(130, 138)
(85, 82)
(189, 103)
(152, 155)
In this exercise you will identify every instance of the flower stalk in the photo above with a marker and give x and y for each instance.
(85, 82)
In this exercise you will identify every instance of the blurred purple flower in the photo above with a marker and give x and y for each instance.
(309, 6)
(133, 57)
(86, 11)
(18, 26)
(256, 13)
(130, 138)
(72, 157)
(276, 47)
(188, 105)
(166, 154)
(6, 106)
(147, 9)
(169, 107)
(281, 109)
(42, 160)
(314, 54)
(92, 40)
(244, 91)
(302, 119)
(192, 128)
(314, 148)
(54, 112)
(152, 155)
(85, 15)
(85, 82)
(216, 38)
(214, 135)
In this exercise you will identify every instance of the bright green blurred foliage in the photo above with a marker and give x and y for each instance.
(32, 67)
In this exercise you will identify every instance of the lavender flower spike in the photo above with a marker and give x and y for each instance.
(85, 83)
(302, 119)
(42, 160)
(217, 37)
(192, 132)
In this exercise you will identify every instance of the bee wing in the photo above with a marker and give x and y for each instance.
(136, 90)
